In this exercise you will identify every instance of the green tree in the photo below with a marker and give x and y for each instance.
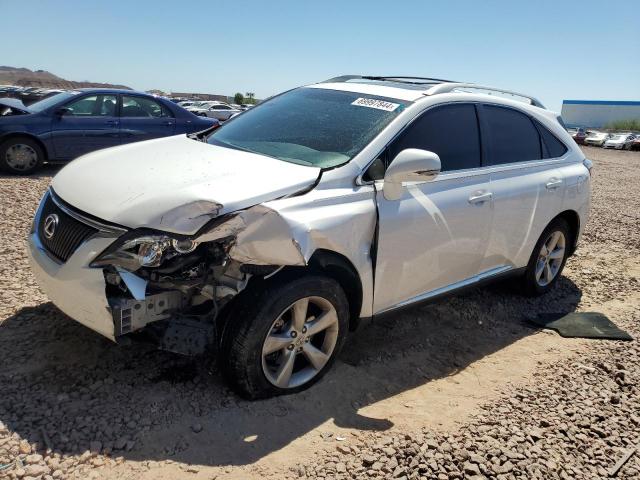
(250, 96)
(238, 98)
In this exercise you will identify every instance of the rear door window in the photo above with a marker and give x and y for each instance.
(451, 131)
(142, 107)
(511, 136)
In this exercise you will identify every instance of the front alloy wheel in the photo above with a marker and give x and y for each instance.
(283, 334)
(300, 342)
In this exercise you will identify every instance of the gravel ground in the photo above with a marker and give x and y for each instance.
(72, 405)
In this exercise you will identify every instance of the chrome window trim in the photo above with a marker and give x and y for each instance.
(482, 170)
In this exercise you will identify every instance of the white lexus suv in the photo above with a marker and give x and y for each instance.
(262, 243)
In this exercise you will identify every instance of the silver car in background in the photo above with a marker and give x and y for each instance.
(267, 240)
(620, 141)
(220, 111)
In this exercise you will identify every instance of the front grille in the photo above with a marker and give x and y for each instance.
(68, 233)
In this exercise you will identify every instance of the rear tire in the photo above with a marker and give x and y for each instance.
(20, 156)
(275, 342)
(548, 258)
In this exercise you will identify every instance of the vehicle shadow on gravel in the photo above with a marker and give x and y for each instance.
(68, 389)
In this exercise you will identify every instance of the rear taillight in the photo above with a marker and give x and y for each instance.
(589, 164)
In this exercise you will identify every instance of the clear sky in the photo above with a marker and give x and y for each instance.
(554, 50)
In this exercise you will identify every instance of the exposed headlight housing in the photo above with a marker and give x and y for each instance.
(144, 248)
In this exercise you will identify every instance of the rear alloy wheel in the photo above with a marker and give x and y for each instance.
(20, 156)
(284, 335)
(548, 258)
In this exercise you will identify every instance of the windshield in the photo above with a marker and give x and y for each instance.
(310, 126)
(51, 101)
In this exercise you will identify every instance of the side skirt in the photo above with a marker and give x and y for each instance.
(485, 278)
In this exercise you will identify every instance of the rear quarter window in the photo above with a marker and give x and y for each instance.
(554, 147)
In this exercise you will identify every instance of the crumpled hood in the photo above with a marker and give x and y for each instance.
(175, 184)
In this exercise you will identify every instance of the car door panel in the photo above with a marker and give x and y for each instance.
(433, 237)
(436, 234)
(526, 198)
(138, 129)
(527, 187)
(143, 118)
(74, 135)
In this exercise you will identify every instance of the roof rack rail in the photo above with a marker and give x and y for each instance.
(404, 79)
(390, 78)
(450, 87)
(438, 85)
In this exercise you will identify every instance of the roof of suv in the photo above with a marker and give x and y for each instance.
(413, 88)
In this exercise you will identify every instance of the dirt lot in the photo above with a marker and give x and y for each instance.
(462, 388)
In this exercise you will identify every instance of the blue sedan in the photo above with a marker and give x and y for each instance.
(69, 124)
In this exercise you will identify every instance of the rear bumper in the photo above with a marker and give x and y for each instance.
(76, 289)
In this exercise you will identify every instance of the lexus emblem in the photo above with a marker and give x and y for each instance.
(50, 225)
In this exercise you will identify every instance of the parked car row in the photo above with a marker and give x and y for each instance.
(595, 138)
(71, 123)
(27, 95)
(212, 109)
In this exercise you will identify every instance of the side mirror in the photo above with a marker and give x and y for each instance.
(63, 111)
(410, 165)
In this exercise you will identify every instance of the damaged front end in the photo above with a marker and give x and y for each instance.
(172, 288)
(12, 107)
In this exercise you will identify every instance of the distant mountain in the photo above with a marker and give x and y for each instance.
(41, 78)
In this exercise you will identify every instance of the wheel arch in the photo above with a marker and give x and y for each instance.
(30, 136)
(573, 220)
(340, 268)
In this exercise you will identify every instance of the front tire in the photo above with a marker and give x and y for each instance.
(285, 335)
(20, 156)
(548, 259)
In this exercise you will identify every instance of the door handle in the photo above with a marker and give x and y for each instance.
(168, 123)
(480, 197)
(553, 184)
(111, 123)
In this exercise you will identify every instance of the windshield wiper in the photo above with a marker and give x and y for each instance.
(203, 135)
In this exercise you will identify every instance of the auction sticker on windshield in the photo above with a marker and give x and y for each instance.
(373, 103)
